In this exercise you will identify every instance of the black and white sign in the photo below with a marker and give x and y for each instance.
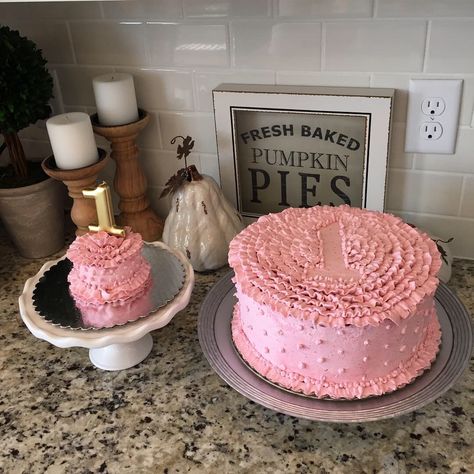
(297, 147)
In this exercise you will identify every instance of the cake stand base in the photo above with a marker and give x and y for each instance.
(121, 356)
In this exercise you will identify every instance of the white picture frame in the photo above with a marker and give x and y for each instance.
(236, 104)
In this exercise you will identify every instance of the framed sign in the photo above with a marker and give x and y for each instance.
(288, 146)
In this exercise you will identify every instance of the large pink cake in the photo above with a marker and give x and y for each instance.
(110, 278)
(335, 301)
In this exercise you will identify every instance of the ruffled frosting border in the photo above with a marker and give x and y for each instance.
(103, 250)
(322, 388)
(274, 261)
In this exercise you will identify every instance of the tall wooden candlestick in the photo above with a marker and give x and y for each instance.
(83, 212)
(130, 182)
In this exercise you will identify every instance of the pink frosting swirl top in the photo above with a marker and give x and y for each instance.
(104, 250)
(335, 265)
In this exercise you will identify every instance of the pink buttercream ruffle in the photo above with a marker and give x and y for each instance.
(104, 250)
(108, 269)
(322, 387)
(278, 261)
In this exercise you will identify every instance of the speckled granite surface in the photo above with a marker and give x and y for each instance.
(173, 414)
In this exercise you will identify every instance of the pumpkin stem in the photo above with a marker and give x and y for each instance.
(193, 173)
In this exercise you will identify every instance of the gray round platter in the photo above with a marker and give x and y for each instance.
(214, 330)
(53, 302)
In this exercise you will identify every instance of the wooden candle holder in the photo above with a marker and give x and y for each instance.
(83, 212)
(130, 182)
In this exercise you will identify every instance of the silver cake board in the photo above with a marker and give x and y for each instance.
(214, 328)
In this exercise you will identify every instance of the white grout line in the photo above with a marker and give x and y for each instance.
(375, 9)
(427, 46)
(323, 47)
(463, 186)
(71, 44)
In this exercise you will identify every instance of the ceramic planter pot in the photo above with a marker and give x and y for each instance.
(34, 217)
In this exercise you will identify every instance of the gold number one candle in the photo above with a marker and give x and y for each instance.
(105, 213)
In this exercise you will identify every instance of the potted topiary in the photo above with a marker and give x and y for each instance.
(30, 201)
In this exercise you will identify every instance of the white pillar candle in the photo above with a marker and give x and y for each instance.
(115, 99)
(72, 140)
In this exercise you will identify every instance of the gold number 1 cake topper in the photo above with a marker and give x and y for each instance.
(105, 213)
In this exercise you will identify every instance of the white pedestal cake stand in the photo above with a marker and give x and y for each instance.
(115, 348)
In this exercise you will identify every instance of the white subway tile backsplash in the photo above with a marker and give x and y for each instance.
(162, 89)
(467, 198)
(226, 8)
(210, 166)
(375, 46)
(142, 9)
(268, 45)
(160, 205)
(325, 8)
(109, 43)
(150, 136)
(398, 157)
(76, 83)
(173, 44)
(446, 227)
(49, 11)
(199, 125)
(179, 50)
(51, 37)
(425, 8)
(207, 81)
(461, 162)
(322, 79)
(448, 44)
(434, 193)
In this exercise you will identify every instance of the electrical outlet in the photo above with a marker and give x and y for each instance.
(433, 106)
(433, 115)
(431, 131)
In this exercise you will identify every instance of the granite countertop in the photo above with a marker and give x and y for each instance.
(172, 413)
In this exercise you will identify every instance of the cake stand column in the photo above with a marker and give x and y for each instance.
(121, 356)
(83, 212)
(130, 182)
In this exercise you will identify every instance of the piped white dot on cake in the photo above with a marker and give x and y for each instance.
(301, 365)
(321, 359)
(385, 363)
(386, 346)
(318, 342)
(402, 348)
(366, 342)
(404, 330)
(340, 332)
(340, 351)
(282, 350)
(301, 327)
(280, 332)
(282, 366)
(341, 371)
(416, 330)
(387, 326)
(364, 359)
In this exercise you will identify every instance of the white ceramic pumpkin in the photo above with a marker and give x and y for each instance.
(201, 222)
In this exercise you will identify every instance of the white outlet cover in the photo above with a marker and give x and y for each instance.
(449, 90)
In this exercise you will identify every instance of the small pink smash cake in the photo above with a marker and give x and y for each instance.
(110, 278)
(335, 301)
